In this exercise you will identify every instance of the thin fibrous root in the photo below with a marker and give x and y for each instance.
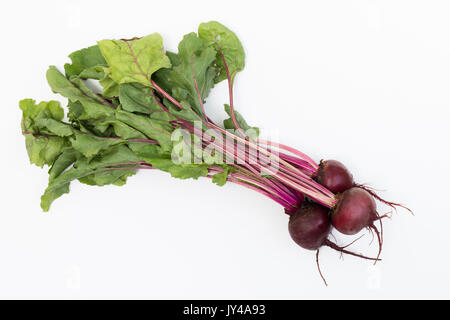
(334, 246)
(348, 245)
(373, 237)
(331, 234)
(318, 268)
(379, 235)
(386, 215)
(372, 192)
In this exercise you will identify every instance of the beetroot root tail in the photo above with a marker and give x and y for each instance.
(373, 236)
(379, 235)
(386, 215)
(372, 192)
(318, 268)
(334, 246)
(354, 241)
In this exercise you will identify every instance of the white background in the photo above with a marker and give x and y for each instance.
(365, 82)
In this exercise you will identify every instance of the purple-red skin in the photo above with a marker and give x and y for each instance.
(355, 211)
(309, 227)
(334, 176)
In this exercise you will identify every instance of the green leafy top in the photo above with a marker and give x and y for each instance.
(228, 45)
(86, 63)
(134, 60)
(128, 125)
(195, 60)
(45, 134)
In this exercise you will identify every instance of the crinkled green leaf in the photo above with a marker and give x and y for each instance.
(116, 154)
(86, 63)
(220, 178)
(43, 150)
(116, 177)
(153, 129)
(44, 118)
(54, 127)
(64, 161)
(186, 113)
(146, 151)
(173, 57)
(134, 60)
(96, 73)
(195, 60)
(110, 87)
(220, 37)
(75, 110)
(134, 97)
(82, 168)
(92, 107)
(89, 145)
(163, 116)
(44, 131)
(89, 92)
(52, 193)
(102, 126)
(51, 109)
(180, 171)
(123, 130)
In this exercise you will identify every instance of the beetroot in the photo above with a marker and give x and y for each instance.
(334, 176)
(355, 211)
(310, 226)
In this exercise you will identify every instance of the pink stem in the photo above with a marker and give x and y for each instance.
(300, 163)
(276, 199)
(308, 181)
(165, 94)
(317, 195)
(292, 150)
(200, 100)
(230, 93)
(329, 201)
(254, 185)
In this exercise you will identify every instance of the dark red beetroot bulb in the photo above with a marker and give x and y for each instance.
(309, 227)
(334, 176)
(355, 211)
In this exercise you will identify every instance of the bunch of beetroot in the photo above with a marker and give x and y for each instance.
(354, 211)
(148, 98)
